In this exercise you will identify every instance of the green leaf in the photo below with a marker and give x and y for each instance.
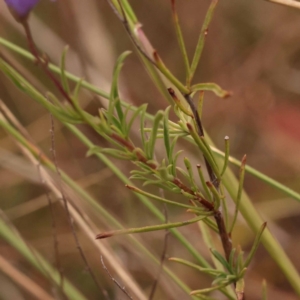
(180, 40)
(77, 89)
(188, 166)
(240, 260)
(164, 70)
(175, 161)
(212, 87)
(208, 290)
(203, 183)
(141, 110)
(159, 182)
(201, 40)
(221, 259)
(142, 173)
(63, 77)
(167, 135)
(200, 104)
(153, 136)
(164, 173)
(111, 152)
(231, 258)
(203, 147)
(226, 158)
(117, 124)
(184, 173)
(255, 245)
(208, 271)
(216, 196)
(157, 198)
(211, 224)
(148, 228)
(220, 279)
(142, 128)
(114, 93)
(240, 190)
(179, 107)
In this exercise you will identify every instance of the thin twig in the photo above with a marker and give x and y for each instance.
(6, 114)
(70, 219)
(165, 246)
(200, 131)
(44, 63)
(122, 288)
(54, 228)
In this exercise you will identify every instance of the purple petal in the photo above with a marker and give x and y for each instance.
(21, 7)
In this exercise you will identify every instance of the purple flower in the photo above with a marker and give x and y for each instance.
(21, 7)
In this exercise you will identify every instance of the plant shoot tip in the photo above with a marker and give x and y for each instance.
(103, 235)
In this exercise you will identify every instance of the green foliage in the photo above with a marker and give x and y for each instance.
(203, 197)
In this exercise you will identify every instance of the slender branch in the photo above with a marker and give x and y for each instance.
(54, 230)
(163, 255)
(69, 217)
(122, 288)
(225, 238)
(44, 63)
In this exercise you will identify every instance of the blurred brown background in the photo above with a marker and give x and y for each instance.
(252, 49)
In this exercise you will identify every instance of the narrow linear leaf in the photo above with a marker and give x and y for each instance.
(188, 166)
(157, 198)
(148, 228)
(208, 290)
(140, 111)
(211, 224)
(77, 89)
(153, 136)
(111, 152)
(226, 158)
(212, 87)
(203, 148)
(240, 191)
(166, 135)
(179, 106)
(114, 93)
(221, 259)
(201, 40)
(200, 104)
(203, 183)
(180, 39)
(216, 196)
(240, 259)
(164, 70)
(209, 271)
(255, 245)
(63, 76)
(232, 257)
